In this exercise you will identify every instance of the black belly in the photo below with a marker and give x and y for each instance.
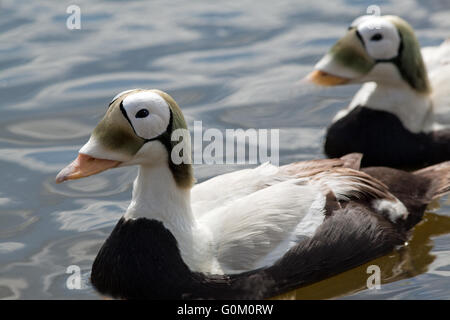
(384, 141)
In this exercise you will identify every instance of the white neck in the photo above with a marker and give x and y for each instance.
(156, 196)
(392, 94)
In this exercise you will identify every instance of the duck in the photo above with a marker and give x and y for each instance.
(400, 116)
(260, 232)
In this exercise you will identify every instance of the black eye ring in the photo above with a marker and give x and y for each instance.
(143, 113)
(376, 37)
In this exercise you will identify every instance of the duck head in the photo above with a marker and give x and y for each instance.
(375, 48)
(136, 130)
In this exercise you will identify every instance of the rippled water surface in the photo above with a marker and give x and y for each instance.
(231, 65)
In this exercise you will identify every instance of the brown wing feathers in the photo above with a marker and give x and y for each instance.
(439, 175)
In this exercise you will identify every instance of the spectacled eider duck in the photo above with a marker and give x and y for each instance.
(260, 232)
(393, 119)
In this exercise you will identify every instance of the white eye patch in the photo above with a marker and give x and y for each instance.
(148, 113)
(380, 37)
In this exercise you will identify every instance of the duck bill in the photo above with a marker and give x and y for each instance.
(85, 166)
(323, 78)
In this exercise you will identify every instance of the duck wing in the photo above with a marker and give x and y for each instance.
(224, 189)
(256, 230)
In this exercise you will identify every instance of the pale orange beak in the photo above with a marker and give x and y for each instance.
(84, 166)
(323, 78)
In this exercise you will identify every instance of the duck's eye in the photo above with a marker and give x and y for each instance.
(142, 113)
(376, 37)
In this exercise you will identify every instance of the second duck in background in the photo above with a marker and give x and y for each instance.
(393, 119)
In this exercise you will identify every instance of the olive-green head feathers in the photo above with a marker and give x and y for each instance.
(410, 62)
(138, 124)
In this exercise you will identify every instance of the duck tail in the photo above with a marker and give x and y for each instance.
(439, 176)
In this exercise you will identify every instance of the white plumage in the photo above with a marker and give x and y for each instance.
(437, 61)
(252, 217)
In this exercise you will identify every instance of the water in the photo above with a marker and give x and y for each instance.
(230, 65)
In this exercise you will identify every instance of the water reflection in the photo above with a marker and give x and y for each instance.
(91, 215)
(108, 183)
(406, 262)
(50, 129)
(10, 288)
(42, 160)
(15, 221)
(8, 247)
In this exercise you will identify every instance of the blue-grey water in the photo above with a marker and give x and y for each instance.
(229, 64)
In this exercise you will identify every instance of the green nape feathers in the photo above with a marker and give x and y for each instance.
(183, 173)
(410, 62)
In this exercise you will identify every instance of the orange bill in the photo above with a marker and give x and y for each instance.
(326, 79)
(84, 166)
